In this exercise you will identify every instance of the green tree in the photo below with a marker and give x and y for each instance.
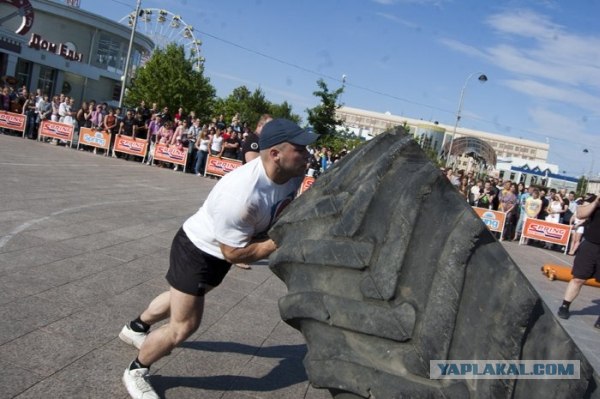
(169, 79)
(323, 121)
(322, 117)
(582, 185)
(250, 106)
(284, 110)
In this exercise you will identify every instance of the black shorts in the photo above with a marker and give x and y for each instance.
(587, 261)
(191, 270)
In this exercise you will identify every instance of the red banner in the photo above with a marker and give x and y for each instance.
(12, 121)
(94, 138)
(554, 233)
(221, 166)
(306, 183)
(494, 220)
(130, 145)
(60, 131)
(163, 152)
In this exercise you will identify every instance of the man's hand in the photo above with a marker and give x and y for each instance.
(254, 251)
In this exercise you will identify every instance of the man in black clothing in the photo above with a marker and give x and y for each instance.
(250, 148)
(587, 261)
(126, 127)
(231, 146)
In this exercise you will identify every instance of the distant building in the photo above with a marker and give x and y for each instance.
(60, 48)
(369, 123)
(594, 186)
(534, 173)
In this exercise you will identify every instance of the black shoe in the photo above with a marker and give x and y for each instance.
(563, 313)
(597, 325)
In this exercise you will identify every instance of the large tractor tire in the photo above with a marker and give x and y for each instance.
(387, 267)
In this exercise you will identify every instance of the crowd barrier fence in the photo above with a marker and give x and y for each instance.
(494, 220)
(56, 130)
(541, 230)
(536, 229)
(12, 121)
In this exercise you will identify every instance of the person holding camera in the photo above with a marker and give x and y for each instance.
(587, 261)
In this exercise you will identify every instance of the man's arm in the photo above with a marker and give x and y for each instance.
(254, 251)
(585, 211)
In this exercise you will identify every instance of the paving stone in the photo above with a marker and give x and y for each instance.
(44, 254)
(42, 352)
(94, 375)
(25, 316)
(14, 380)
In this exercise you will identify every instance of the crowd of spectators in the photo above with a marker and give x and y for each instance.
(519, 202)
(227, 139)
(185, 131)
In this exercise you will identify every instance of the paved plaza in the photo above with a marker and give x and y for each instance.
(84, 246)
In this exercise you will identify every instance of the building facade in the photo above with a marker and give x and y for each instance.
(368, 124)
(60, 48)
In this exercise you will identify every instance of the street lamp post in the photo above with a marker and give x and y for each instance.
(482, 78)
(591, 172)
(128, 58)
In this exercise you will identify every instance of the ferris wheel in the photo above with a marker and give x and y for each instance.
(164, 28)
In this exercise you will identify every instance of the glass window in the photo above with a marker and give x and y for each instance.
(110, 54)
(46, 80)
(23, 72)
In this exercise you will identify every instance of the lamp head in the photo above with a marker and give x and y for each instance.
(482, 78)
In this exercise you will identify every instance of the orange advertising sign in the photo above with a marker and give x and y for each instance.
(131, 146)
(306, 183)
(221, 166)
(163, 152)
(12, 121)
(57, 130)
(494, 220)
(555, 233)
(94, 138)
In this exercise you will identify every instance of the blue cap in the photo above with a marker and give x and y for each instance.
(281, 130)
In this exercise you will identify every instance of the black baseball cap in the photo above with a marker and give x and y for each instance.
(281, 130)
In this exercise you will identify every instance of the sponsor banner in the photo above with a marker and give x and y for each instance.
(494, 220)
(130, 145)
(57, 130)
(163, 152)
(554, 233)
(221, 166)
(94, 138)
(504, 369)
(306, 183)
(12, 121)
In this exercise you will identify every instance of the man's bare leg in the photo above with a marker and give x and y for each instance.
(158, 309)
(185, 317)
(571, 293)
(573, 289)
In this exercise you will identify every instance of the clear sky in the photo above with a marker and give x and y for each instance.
(412, 57)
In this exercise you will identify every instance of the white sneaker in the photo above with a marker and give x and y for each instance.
(176, 168)
(131, 337)
(136, 382)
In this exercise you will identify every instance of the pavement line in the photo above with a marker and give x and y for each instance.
(24, 226)
(547, 252)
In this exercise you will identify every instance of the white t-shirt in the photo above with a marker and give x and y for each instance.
(243, 204)
(217, 144)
